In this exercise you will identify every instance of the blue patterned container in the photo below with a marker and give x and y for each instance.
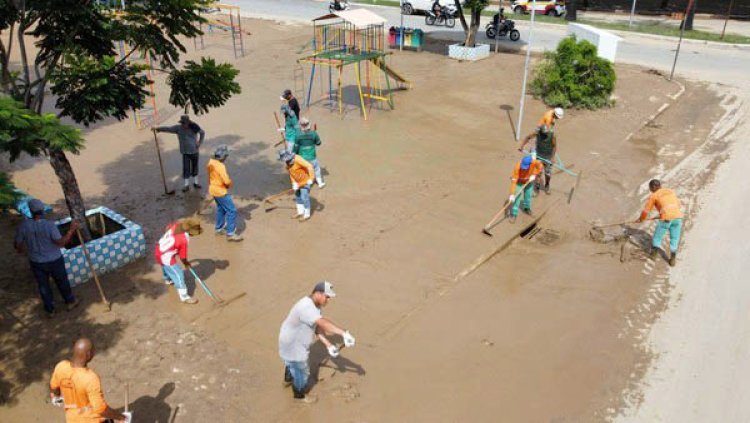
(110, 252)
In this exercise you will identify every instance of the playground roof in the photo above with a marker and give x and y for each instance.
(356, 17)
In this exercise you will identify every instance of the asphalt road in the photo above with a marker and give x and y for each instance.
(698, 60)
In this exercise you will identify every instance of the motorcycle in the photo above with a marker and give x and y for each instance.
(501, 28)
(447, 16)
(338, 6)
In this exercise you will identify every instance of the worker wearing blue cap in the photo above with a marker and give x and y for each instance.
(524, 174)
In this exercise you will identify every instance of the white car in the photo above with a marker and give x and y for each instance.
(410, 7)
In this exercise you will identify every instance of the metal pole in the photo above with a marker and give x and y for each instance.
(401, 32)
(526, 71)
(729, 13)
(679, 43)
(632, 12)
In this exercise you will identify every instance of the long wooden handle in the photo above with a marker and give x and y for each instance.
(492, 222)
(93, 270)
(621, 223)
(161, 164)
(127, 396)
(278, 125)
(277, 195)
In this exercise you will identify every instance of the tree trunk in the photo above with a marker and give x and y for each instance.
(461, 16)
(72, 193)
(471, 34)
(571, 10)
(690, 16)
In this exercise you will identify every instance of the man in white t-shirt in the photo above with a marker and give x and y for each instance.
(303, 323)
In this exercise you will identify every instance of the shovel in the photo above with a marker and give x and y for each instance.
(492, 223)
(268, 201)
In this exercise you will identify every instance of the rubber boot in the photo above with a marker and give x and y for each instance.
(301, 397)
(306, 215)
(185, 297)
(300, 210)
(320, 182)
(673, 259)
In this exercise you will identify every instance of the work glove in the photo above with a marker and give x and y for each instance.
(532, 178)
(128, 416)
(309, 183)
(281, 129)
(333, 351)
(58, 401)
(348, 339)
(295, 186)
(511, 198)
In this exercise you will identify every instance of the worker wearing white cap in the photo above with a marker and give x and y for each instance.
(303, 323)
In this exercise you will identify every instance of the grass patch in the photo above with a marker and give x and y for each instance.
(668, 31)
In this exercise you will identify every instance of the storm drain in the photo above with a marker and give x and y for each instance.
(530, 231)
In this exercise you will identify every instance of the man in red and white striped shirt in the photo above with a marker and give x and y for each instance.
(174, 244)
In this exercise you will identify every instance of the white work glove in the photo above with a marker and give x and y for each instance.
(58, 401)
(511, 198)
(532, 178)
(128, 416)
(348, 339)
(309, 183)
(295, 186)
(333, 351)
(281, 129)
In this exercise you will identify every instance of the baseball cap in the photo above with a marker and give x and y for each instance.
(285, 94)
(559, 112)
(324, 287)
(286, 156)
(184, 119)
(526, 162)
(304, 122)
(36, 206)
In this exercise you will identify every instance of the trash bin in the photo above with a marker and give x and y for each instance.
(392, 36)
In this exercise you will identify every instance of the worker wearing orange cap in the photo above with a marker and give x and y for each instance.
(524, 174)
(670, 218)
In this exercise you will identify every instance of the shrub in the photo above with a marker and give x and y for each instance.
(574, 76)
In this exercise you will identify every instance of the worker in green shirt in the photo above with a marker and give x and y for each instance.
(291, 126)
(306, 145)
(543, 146)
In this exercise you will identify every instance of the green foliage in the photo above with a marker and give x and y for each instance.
(478, 5)
(23, 131)
(89, 89)
(8, 193)
(203, 85)
(574, 76)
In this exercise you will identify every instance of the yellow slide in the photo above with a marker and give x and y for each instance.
(379, 62)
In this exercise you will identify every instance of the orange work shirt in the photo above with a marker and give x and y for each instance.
(82, 392)
(548, 118)
(218, 178)
(522, 176)
(301, 171)
(666, 202)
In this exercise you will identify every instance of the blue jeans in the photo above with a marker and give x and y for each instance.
(316, 166)
(175, 274)
(42, 273)
(300, 373)
(226, 214)
(674, 227)
(302, 196)
(527, 193)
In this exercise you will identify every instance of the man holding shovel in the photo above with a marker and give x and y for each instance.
(41, 240)
(218, 186)
(291, 126)
(190, 136)
(670, 218)
(306, 146)
(296, 335)
(524, 174)
(173, 244)
(301, 174)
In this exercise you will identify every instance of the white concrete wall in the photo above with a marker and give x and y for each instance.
(605, 41)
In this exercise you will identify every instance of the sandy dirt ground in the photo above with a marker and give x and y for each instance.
(549, 329)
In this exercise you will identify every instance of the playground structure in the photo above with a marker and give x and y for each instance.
(233, 26)
(352, 37)
(148, 115)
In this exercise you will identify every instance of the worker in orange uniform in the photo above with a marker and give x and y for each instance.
(78, 389)
(670, 218)
(218, 186)
(302, 175)
(550, 117)
(524, 173)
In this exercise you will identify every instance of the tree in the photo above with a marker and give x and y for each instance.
(571, 10)
(475, 7)
(76, 58)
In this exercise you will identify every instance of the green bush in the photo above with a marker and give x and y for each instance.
(574, 76)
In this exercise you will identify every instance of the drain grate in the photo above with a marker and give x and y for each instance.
(530, 231)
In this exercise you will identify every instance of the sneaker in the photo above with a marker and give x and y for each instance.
(306, 399)
(235, 238)
(72, 305)
(322, 185)
(190, 300)
(221, 231)
(185, 188)
(168, 282)
(673, 259)
(197, 186)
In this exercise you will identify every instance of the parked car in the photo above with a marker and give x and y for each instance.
(410, 7)
(549, 8)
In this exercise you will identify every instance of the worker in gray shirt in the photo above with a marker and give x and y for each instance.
(190, 136)
(41, 240)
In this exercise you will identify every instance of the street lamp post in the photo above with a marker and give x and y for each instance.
(682, 33)
(526, 71)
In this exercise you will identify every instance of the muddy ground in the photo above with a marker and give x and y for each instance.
(546, 330)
